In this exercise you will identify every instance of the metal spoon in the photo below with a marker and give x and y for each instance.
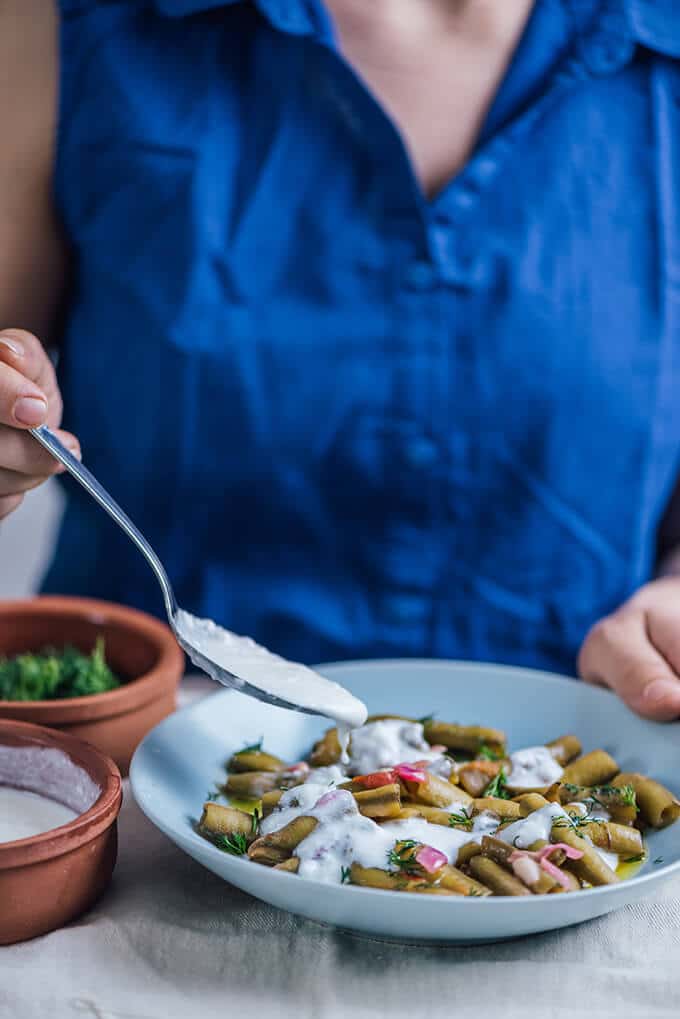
(49, 440)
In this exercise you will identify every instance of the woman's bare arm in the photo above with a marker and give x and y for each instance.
(32, 250)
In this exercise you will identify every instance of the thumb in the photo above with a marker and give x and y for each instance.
(619, 653)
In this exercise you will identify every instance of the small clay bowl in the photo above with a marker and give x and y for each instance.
(48, 879)
(141, 650)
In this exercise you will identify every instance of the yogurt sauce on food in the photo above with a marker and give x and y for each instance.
(391, 741)
(533, 766)
(246, 660)
(23, 814)
(344, 836)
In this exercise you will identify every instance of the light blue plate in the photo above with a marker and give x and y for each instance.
(182, 758)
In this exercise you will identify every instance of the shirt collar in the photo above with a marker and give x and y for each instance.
(655, 24)
(652, 23)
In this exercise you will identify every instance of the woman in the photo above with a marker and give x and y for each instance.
(371, 319)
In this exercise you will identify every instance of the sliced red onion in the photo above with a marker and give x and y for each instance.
(409, 773)
(431, 859)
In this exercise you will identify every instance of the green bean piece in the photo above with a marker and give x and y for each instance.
(658, 806)
(497, 850)
(326, 750)
(618, 801)
(591, 867)
(615, 838)
(475, 780)
(436, 792)
(435, 815)
(595, 768)
(454, 879)
(508, 810)
(219, 820)
(529, 802)
(270, 801)
(565, 748)
(500, 852)
(385, 718)
(291, 864)
(495, 877)
(374, 877)
(466, 852)
(251, 784)
(470, 738)
(385, 801)
(255, 760)
(277, 846)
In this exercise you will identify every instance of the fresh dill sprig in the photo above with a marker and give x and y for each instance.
(345, 875)
(487, 753)
(251, 748)
(235, 844)
(498, 786)
(461, 820)
(401, 856)
(255, 820)
(574, 822)
(636, 859)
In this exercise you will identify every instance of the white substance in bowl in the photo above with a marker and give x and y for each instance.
(248, 661)
(23, 814)
(533, 767)
(391, 741)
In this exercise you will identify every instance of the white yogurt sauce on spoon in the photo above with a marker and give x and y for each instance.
(290, 681)
(23, 814)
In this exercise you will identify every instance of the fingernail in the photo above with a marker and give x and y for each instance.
(661, 690)
(30, 410)
(15, 346)
(74, 448)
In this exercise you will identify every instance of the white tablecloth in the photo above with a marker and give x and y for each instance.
(170, 940)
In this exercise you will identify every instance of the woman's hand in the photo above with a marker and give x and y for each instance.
(636, 651)
(29, 396)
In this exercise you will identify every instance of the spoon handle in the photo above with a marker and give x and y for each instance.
(49, 440)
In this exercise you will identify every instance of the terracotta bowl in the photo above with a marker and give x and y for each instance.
(48, 879)
(141, 651)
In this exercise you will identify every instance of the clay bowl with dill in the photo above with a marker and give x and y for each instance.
(131, 659)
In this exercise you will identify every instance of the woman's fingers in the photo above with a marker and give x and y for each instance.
(29, 395)
(21, 453)
(622, 652)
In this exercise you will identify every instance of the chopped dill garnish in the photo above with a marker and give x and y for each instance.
(252, 748)
(460, 820)
(212, 795)
(574, 822)
(498, 787)
(401, 856)
(473, 892)
(255, 820)
(488, 753)
(236, 844)
(345, 875)
(426, 719)
(659, 859)
(636, 859)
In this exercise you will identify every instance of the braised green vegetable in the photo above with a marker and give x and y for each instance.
(54, 674)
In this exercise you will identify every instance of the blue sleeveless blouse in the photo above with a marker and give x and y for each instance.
(352, 421)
